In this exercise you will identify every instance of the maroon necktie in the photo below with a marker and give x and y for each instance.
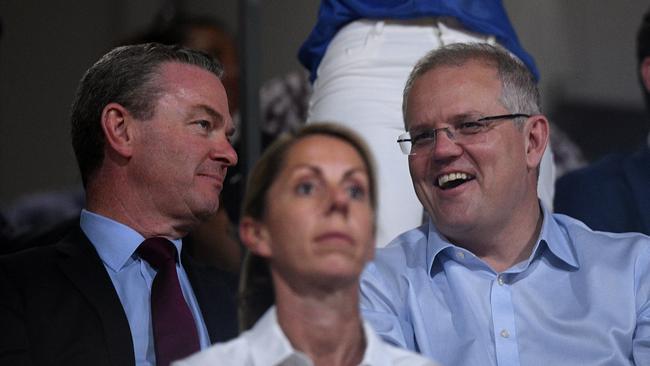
(174, 330)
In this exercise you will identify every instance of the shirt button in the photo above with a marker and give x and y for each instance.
(460, 255)
(504, 333)
(500, 280)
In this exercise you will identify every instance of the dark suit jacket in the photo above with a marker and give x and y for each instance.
(610, 195)
(58, 306)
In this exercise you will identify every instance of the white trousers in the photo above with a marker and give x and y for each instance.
(359, 85)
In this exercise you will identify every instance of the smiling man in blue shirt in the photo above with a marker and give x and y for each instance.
(493, 278)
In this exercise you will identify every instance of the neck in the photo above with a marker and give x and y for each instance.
(504, 245)
(117, 201)
(324, 325)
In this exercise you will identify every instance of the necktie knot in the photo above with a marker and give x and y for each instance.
(157, 252)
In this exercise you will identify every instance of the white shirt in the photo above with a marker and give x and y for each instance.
(266, 345)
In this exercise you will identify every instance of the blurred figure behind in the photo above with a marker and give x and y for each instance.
(613, 194)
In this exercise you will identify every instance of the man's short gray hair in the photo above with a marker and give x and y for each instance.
(519, 93)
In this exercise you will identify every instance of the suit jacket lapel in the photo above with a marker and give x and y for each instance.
(81, 264)
(637, 173)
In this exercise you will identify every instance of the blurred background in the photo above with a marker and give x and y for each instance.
(585, 51)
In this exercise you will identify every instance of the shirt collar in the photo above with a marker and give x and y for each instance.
(374, 355)
(115, 242)
(270, 346)
(555, 239)
(551, 236)
(436, 243)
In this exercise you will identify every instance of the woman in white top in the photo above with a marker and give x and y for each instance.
(309, 212)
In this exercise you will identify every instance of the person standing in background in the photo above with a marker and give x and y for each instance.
(613, 194)
(360, 53)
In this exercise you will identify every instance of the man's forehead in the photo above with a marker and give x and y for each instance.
(177, 71)
(189, 79)
(456, 88)
(471, 70)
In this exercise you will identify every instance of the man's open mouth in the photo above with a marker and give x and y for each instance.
(453, 180)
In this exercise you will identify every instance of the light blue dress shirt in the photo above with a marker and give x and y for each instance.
(582, 298)
(132, 277)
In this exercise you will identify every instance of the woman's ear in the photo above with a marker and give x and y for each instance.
(537, 134)
(255, 237)
(117, 125)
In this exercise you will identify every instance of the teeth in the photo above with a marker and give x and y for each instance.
(451, 177)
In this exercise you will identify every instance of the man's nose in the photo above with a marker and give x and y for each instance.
(224, 152)
(445, 145)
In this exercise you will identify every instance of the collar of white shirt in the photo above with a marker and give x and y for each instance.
(270, 346)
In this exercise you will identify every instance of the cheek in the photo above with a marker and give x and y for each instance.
(364, 222)
(506, 158)
(289, 226)
(367, 233)
(165, 153)
(417, 168)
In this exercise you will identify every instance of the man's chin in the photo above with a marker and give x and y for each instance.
(207, 212)
(203, 208)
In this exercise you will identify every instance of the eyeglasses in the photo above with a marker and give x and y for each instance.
(464, 133)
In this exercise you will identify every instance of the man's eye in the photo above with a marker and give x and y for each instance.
(206, 125)
(423, 137)
(470, 128)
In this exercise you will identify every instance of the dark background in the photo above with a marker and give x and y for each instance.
(584, 50)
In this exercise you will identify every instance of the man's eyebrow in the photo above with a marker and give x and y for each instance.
(218, 117)
(457, 118)
(465, 117)
(209, 110)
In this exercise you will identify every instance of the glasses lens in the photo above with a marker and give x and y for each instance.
(404, 141)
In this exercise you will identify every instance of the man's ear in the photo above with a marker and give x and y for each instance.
(117, 126)
(255, 237)
(645, 72)
(537, 132)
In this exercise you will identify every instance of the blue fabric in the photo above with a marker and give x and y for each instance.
(481, 16)
(132, 278)
(612, 194)
(582, 298)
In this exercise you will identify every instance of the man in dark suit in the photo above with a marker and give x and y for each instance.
(150, 130)
(614, 194)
